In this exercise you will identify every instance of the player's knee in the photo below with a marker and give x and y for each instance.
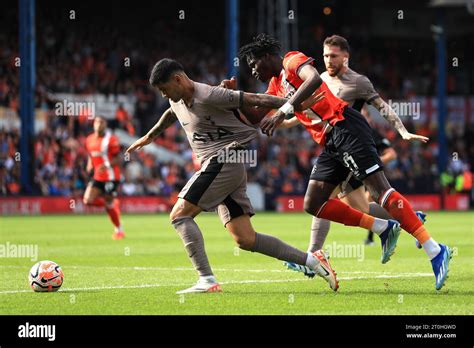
(245, 242)
(174, 215)
(311, 206)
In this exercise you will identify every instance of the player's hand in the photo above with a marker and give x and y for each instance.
(271, 122)
(312, 99)
(137, 145)
(229, 84)
(415, 137)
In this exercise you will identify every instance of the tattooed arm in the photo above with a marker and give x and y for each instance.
(164, 122)
(391, 116)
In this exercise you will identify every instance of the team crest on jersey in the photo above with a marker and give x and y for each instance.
(289, 89)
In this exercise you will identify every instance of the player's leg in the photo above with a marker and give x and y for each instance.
(358, 151)
(400, 208)
(357, 198)
(112, 206)
(329, 172)
(182, 218)
(235, 212)
(93, 194)
(320, 229)
(101, 194)
(203, 192)
(248, 239)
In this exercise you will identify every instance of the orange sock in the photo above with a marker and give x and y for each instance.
(402, 211)
(337, 211)
(114, 213)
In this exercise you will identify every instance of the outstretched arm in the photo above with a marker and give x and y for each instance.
(164, 122)
(311, 82)
(391, 116)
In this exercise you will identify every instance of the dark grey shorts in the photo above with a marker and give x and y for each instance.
(221, 187)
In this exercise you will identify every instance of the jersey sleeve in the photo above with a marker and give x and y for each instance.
(222, 97)
(294, 61)
(365, 89)
(114, 146)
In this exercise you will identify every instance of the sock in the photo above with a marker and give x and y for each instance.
(338, 211)
(399, 207)
(311, 261)
(193, 241)
(431, 248)
(378, 226)
(208, 279)
(98, 202)
(274, 247)
(114, 213)
(319, 232)
(378, 211)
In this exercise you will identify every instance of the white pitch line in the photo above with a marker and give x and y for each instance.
(383, 276)
(172, 269)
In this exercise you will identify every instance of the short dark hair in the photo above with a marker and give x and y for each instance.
(261, 45)
(163, 70)
(339, 41)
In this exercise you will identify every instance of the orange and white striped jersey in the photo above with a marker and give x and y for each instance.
(101, 151)
(317, 118)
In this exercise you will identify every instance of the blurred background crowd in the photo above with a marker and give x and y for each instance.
(86, 56)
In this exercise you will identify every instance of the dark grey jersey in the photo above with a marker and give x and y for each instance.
(353, 88)
(212, 121)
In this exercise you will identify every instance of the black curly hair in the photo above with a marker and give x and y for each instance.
(261, 45)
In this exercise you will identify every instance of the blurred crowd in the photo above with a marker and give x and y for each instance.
(117, 60)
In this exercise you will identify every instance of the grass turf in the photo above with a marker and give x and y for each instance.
(140, 274)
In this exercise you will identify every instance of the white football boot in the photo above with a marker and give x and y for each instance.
(204, 284)
(325, 271)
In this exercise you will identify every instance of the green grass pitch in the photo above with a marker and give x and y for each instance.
(140, 274)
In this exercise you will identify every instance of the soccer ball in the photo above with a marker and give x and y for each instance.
(46, 276)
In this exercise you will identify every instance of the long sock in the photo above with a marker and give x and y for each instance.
(274, 247)
(338, 211)
(431, 248)
(319, 232)
(378, 211)
(399, 207)
(193, 241)
(114, 213)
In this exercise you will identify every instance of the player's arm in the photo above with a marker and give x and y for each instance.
(388, 155)
(165, 121)
(311, 82)
(392, 118)
(255, 113)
